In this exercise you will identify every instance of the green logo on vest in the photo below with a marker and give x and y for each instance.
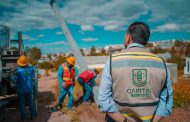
(139, 77)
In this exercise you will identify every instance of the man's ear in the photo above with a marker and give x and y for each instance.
(127, 39)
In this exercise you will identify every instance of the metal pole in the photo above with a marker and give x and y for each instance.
(20, 42)
(81, 61)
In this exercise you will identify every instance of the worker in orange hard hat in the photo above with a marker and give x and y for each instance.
(87, 81)
(66, 79)
(23, 78)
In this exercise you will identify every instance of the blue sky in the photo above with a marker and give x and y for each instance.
(93, 23)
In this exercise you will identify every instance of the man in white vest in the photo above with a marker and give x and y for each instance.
(135, 84)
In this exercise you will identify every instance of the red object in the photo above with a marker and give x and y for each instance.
(68, 76)
(87, 75)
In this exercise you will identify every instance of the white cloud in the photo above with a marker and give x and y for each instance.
(52, 43)
(28, 38)
(167, 27)
(59, 33)
(33, 14)
(40, 35)
(89, 39)
(112, 27)
(87, 28)
(37, 14)
(174, 14)
(172, 27)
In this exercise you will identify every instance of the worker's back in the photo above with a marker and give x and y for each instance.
(138, 77)
(24, 80)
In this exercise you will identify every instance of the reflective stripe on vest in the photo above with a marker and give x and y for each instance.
(68, 75)
(142, 118)
(138, 77)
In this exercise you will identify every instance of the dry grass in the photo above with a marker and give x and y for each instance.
(181, 92)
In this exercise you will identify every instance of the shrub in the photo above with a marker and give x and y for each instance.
(181, 93)
(45, 65)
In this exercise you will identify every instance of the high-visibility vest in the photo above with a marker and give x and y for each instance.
(87, 75)
(68, 75)
(138, 78)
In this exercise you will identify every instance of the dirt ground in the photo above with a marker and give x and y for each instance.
(80, 113)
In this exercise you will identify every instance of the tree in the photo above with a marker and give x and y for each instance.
(178, 60)
(173, 50)
(93, 51)
(45, 65)
(35, 53)
(187, 51)
(82, 52)
(49, 56)
(158, 50)
(59, 61)
(103, 52)
(27, 50)
(179, 43)
(149, 45)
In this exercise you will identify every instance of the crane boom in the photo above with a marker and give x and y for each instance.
(72, 43)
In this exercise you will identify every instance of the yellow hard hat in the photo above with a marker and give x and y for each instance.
(22, 60)
(97, 70)
(71, 60)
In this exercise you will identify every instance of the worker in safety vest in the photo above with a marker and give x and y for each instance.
(87, 81)
(66, 79)
(135, 84)
(24, 80)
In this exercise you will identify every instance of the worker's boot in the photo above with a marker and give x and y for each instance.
(59, 106)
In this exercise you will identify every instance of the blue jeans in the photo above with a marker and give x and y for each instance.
(63, 92)
(87, 90)
(23, 97)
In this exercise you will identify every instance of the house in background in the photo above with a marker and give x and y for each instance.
(187, 66)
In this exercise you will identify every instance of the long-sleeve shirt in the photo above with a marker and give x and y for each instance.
(24, 78)
(60, 74)
(107, 104)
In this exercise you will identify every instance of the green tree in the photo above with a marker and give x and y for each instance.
(82, 52)
(45, 65)
(59, 61)
(149, 45)
(173, 50)
(35, 53)
(49, 56)
(178, 60)
(93, 51)
(27, 50)
(187, 51)
(103, 52)
(158, 50)
(179, 43)
(32, 61)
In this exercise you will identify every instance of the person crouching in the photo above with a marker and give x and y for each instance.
(87, 80)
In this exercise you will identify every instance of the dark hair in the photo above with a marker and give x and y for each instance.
(139, 32)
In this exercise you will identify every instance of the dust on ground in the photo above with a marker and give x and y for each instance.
(80, 113)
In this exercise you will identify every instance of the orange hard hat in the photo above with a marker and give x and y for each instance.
(97, 70)
(22, 60)
(71, 60)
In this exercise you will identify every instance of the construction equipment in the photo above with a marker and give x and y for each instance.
(10, 52)
(72, 43)
(8, 59)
